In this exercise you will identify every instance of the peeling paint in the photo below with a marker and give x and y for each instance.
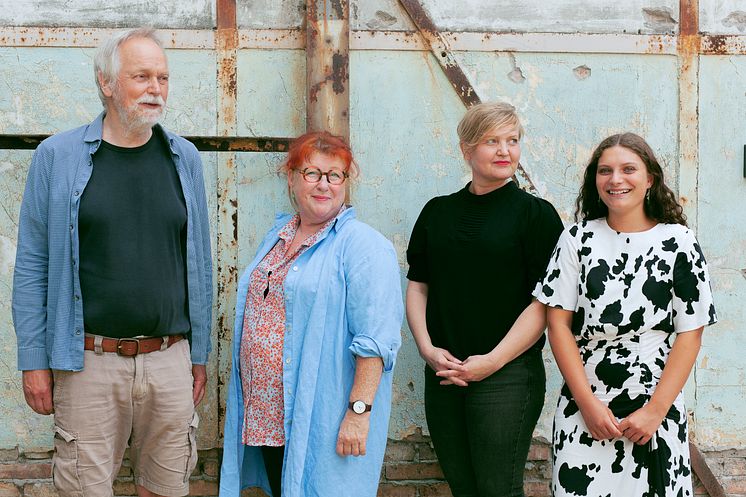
(382, 20)
(659, 19)
(516, 75)
(582, 72)
(737, 20)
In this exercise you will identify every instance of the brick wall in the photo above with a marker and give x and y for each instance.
(410, 469)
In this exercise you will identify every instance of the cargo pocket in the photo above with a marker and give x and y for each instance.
(192, 459)
(65, 463)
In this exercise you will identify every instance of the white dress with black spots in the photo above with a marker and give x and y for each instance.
(631, 293)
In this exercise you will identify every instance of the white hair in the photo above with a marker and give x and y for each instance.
(106, 61)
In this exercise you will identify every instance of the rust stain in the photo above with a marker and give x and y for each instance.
(655, 44)
(716, 44)
(340, 72)
(688, 17)
(340, 9)
(418, 15)
(226, 14)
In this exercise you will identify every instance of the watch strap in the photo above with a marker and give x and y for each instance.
(368, 407)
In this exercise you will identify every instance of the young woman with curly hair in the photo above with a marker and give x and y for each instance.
(628, 295)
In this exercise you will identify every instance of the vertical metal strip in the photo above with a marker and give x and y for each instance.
(689, 48)
(442, 52)
(328, 66)
(226, 43)
(689, 44)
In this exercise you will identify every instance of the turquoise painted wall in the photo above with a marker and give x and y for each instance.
(403, 119)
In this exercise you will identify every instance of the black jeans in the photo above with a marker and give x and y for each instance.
(482, 432)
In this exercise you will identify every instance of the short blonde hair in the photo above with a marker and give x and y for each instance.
(482, 118)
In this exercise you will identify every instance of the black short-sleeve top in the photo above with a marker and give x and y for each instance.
(481, 257)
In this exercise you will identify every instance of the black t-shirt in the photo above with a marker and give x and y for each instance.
(132, 232)
(481, 256)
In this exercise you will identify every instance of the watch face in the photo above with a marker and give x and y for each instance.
(358, 407)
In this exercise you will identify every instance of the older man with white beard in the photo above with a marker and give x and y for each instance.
(112, 288)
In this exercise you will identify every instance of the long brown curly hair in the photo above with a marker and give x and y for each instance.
(661, 206)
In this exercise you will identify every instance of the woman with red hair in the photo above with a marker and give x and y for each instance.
(317, 329)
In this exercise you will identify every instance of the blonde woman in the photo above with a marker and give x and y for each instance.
(474, 259)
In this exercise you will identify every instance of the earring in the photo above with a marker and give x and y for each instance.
(647, 195)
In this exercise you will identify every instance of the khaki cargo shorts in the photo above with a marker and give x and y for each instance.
(144, 402)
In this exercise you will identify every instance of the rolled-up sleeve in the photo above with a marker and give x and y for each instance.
(374, 306)
(31, 273)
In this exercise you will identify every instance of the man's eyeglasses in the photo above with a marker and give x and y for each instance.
(333, 176)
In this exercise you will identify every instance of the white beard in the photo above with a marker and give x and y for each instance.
(135, 120)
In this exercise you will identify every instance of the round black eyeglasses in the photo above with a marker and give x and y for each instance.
(333, 176)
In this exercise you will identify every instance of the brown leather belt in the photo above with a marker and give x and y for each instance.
(130, 347)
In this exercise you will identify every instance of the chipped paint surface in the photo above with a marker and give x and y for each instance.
(565, 16)
(577, 70)
(104, 13)
(269, 13)
(723, 17)
(721, 379)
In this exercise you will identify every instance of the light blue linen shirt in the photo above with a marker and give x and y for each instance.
(47, 307)
(342, 299)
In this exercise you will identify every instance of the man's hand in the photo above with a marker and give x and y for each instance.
(199, 372)
(353, 434)
(37, 388)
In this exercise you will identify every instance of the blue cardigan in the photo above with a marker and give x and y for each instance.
(342, 299)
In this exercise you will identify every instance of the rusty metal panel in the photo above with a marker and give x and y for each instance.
(560, 16)
(721, 372)
(723, 17)
(45, 103)
(327, 66)
(109, 13)
(272, 97)
(261, 194)
(414, 113)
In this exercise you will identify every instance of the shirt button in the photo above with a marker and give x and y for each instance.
(295, 268)
(71, 227)
(287, 361)
(77, 297)
(77, 332)
(76, 193)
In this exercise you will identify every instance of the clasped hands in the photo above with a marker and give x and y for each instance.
(639, 427)
(455, 371)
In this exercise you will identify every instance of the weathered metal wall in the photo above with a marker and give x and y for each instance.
(577, 70)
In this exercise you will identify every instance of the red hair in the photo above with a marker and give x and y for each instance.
(322, 142)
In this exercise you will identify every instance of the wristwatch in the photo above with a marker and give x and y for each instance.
(359, 407)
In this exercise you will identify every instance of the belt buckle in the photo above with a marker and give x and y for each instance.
(119, 346)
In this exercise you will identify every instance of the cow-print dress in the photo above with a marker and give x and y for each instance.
(631, 293)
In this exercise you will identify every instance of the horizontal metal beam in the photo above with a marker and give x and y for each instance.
(203, 143)
(295, 39)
